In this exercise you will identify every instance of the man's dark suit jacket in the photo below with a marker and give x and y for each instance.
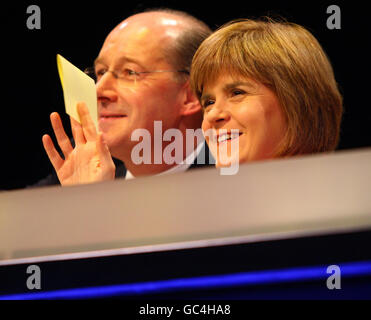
(52, 178)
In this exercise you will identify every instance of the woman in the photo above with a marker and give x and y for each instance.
(273, 83)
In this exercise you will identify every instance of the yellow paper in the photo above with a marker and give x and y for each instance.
(77, 87)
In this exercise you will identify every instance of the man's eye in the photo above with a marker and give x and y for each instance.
(100, 72)
(129, 73)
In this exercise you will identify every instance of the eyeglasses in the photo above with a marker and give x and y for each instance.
(127, 75)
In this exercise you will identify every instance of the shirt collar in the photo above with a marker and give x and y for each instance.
(183, 166)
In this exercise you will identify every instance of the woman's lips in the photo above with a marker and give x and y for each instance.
(227, 137)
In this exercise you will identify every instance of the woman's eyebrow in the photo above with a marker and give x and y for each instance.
(228, 86)
(232, 85)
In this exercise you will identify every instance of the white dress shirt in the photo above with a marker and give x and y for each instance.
(182, 166)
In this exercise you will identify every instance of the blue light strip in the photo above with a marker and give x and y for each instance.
(362, 268)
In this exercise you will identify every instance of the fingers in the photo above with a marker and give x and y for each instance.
(88, 126)
(52, 153)
(62, 139)
(77, 132)
(103, 151)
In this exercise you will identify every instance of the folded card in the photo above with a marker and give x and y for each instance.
(77, 87)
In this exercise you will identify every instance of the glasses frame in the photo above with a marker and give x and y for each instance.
(91, 70)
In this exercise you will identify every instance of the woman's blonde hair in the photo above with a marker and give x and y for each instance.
(289, 60)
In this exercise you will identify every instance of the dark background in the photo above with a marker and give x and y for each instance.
(31, 88)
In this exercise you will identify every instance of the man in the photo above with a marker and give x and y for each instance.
(141, 79)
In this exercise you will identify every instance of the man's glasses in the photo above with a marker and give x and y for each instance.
(127, 75)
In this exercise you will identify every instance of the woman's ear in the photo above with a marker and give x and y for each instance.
(190, 103)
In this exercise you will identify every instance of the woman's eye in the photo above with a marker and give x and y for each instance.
(207, 103)
(237, 92)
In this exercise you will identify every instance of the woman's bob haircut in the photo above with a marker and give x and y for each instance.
(286, 58)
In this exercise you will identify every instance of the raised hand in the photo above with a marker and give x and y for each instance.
(90, 161)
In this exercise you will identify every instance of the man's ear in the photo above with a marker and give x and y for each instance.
(190, 103)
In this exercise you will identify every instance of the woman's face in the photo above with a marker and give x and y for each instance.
(248, 106)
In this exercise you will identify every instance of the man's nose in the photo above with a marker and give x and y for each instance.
(106, 88)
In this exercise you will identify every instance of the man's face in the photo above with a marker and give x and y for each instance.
(124, 106)
(248, 106)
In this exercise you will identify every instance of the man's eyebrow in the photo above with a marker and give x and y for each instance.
(122, 59)
(98, 60)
